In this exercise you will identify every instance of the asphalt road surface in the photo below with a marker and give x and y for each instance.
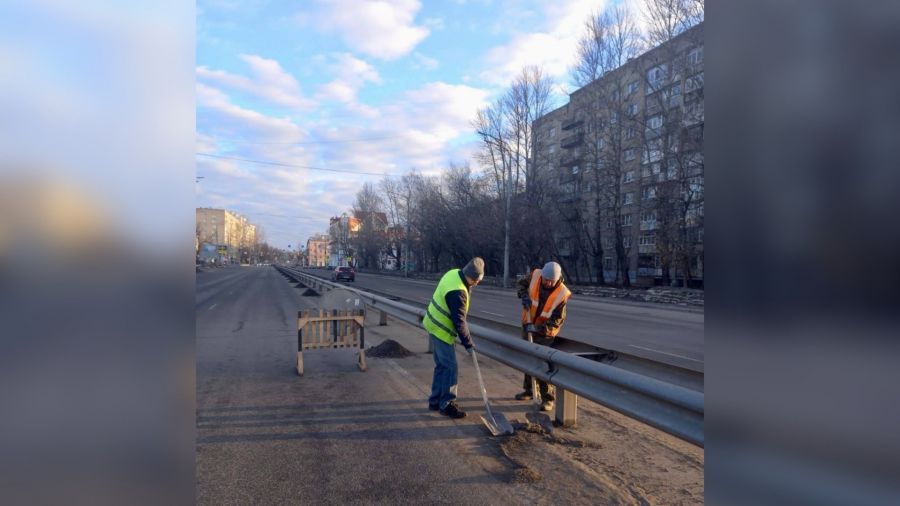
(671, 335)
(341, 436)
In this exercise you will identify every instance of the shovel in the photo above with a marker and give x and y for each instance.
(497, 424)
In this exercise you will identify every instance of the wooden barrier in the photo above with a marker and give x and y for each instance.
(319, 328)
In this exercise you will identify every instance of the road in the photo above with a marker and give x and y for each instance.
(669, 335)
(341, 436)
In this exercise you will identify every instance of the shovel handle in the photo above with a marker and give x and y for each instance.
(534, 386)
(484, 396)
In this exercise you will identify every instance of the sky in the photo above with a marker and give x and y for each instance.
(358, 89)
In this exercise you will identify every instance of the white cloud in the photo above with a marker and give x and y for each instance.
(425, 62)
(553, 48)
(383, 29)
(351, 75)
(269, 81)
(233, 118)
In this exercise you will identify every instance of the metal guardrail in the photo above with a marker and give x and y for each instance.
(671, 408)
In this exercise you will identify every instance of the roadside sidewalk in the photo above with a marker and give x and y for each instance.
(607, 459)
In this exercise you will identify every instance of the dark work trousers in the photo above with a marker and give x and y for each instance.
(546, 391)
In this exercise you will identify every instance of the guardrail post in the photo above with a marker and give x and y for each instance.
(566, 407)
(383, 321)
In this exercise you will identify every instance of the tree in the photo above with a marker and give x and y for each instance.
(371, 240)
(672, 137)
(507, 151)
(667, 18)
(609, 40)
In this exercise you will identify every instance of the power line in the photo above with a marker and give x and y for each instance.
(279, 164)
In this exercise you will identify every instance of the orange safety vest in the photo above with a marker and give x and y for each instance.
(557, 297)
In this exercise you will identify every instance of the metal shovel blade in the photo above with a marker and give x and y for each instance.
(499, 425)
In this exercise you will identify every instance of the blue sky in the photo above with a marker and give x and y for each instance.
(363, 87)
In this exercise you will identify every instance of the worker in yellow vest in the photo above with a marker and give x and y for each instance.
(544, 296)
(445, 321)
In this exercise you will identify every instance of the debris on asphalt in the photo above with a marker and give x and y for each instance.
(388, 349)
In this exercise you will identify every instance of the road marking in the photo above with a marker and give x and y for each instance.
(214, 305)
(488, 312)
(664, 353)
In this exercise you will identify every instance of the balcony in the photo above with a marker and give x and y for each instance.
(647, 248)
(649, 272)
(648, 225)
(570, 160)
(569, 197)
(572, 123)
(571, 141)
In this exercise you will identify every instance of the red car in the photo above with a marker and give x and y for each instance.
(347, 273)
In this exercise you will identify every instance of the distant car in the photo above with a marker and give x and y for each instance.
(343, 273)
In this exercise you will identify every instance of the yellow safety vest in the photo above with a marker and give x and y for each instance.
(437, 319)
(556, 297)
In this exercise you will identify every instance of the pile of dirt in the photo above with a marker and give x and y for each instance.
(388, 349)
(525, 475)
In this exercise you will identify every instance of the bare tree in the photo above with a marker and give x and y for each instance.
(507, 150)
(607, 123)
(667, 18)
(371, 239)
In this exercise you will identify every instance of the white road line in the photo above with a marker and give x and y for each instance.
(488, 312)
(214, 305)
(664, 353)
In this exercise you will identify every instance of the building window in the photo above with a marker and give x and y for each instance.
(628, 177)
(654, 122)
(648, 216)
(626, 220)
(575, 169)
(628, 198)
(626, 241)
(600, 144)
(672, 170)
(630, 154)
(695, 57)
(693, 113)
(552, 148)
(632, 110)
(608, 263)
(632, 87)
(694, 82)
(653, 153)
(673, 96)
(656, 77)
(647, 240)
(648, 192)
(630, 133)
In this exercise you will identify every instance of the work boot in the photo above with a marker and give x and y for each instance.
(547, 405)
(453, 411)
(524, 396)
(433, 407)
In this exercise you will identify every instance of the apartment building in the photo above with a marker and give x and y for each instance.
(317, 250)
(232, 234)
(626, 154)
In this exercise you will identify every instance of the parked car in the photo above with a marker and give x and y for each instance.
(340, 273)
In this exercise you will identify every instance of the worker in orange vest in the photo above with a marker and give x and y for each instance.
(544, 297)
